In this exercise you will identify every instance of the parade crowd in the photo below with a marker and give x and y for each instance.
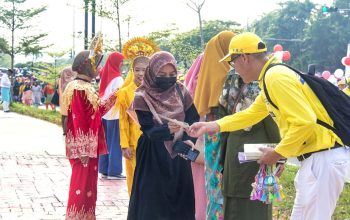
(181, 137)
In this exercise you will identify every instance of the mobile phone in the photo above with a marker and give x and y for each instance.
(182, 148)
(192, 154)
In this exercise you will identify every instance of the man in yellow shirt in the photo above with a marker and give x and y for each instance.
(324, 161)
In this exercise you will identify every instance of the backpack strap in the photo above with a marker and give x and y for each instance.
(265, 89)
(180, 94)
(264, 84)
(320, 122)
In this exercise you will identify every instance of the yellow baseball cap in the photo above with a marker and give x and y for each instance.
(246, 42)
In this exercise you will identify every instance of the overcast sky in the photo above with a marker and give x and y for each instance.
(146, 16)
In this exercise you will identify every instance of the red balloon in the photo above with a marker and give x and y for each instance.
(326, 74)
(343, 61)
(286, 55)
(277, 47)
(347, 61)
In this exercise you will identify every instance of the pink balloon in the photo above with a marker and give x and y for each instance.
(347, 61)
(326, 74)
(286, 55)
(277, 47)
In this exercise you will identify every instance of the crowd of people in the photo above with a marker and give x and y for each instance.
(156, 122)
(27, 90)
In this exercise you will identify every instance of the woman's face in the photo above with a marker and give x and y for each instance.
(167, 71)
(139, 72)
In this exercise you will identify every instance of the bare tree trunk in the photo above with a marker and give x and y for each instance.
(118, 24)
(201, 29)
(13, 37)
(86, 29)
(93, 12)
(197, 7)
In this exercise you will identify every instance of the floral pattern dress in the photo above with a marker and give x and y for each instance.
(213, 172)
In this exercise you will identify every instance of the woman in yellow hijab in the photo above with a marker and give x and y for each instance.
(212, 73)
(212, 76)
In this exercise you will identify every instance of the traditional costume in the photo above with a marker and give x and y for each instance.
(110, 165)
(85, 134)
(163, 185)
(136, 50)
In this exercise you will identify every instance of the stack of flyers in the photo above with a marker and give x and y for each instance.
(252, 152)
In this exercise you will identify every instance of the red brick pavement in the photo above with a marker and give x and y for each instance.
(35, 186)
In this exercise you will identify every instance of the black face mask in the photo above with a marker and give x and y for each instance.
(165, 82)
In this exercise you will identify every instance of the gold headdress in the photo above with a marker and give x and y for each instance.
(139, 46)
(96, 52)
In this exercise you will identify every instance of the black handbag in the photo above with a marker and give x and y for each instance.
(55, 98)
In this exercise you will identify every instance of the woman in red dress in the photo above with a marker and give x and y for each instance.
(85, 139)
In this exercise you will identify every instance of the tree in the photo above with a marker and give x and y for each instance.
(111, 9)
(48, 72)
(31, 47)
(197, 7)
(162, 38)
(287, 26)
(14, 18)
(327, 38)
(187, 46)
(5, 60)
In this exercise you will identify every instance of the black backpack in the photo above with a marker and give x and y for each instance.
(336, 102)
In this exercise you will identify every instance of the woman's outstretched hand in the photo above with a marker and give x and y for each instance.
(199, 128)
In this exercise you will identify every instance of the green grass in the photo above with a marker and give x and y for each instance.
(282, 210)
(46, 115)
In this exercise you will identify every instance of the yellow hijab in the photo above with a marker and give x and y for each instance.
(128, 79)
(212, 73)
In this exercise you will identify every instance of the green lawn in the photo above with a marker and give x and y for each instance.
(282, 210)
(47, 115)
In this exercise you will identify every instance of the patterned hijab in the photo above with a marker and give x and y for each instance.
(110, 70)
(212, 73)
(66, 76)
(167, 103)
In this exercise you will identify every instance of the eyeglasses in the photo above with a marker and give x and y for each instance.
(232, 61)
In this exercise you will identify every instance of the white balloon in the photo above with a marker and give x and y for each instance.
(278, 55)
(347, 75)
(333, 80)
(338, 73)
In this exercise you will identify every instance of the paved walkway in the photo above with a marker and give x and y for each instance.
(34, 173)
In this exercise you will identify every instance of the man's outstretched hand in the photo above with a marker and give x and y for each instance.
(199, 128)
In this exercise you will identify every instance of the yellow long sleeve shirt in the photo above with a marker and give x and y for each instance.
(129, 129)
(299, 108)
